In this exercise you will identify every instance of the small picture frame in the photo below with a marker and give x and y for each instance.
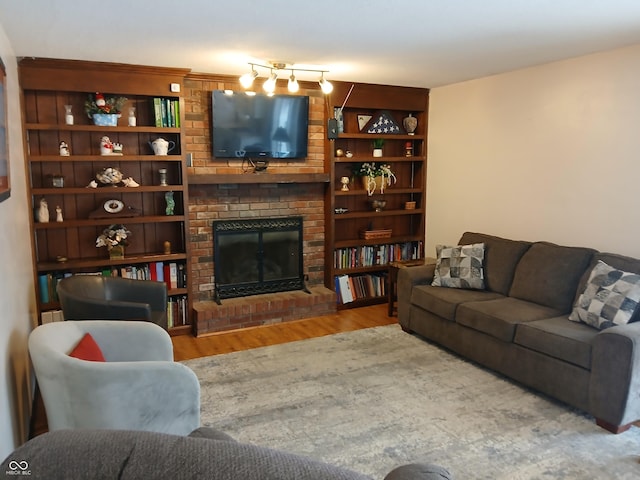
(363, 120)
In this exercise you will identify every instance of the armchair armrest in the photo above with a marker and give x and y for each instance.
(154, 396)
(615, 375)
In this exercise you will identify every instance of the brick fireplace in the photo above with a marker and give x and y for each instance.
(221, 190)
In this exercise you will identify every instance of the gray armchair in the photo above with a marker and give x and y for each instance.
(94, 297)
(138, 387)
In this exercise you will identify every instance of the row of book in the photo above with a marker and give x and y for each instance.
(177, 313)
(350, 288)
(371, 255)
(166, 112)
(174, 274)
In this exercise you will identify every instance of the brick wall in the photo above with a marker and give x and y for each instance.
(212, 202)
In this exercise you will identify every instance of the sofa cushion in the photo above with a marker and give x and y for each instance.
(459, 266)
(558, 338)
(444, 301)
(549, 274)
(500, 317)
(611, 297)
(501, 256)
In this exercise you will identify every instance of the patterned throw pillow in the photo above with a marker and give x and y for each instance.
(610, 298)
(460, 266)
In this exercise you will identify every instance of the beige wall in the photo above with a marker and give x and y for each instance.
(545, 153)
(17, 300)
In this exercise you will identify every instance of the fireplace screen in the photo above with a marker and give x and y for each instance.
(256, 256)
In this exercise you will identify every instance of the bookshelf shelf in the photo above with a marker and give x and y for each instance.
(351, 260)
(67, 247)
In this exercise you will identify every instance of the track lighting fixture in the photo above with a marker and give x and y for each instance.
(269, 85)
(293, 86)
(325, 85)
(246, 80)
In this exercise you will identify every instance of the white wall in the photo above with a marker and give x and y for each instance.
(545, 153)
(17, 297)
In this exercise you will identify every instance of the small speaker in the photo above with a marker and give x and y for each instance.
(332, 129)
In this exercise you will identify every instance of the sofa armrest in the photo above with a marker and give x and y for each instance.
(615, 375)
(407, 278)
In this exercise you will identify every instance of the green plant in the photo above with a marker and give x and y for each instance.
(371, 170)
(99, 104)
(378, 142)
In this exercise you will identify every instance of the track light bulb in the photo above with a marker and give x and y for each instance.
(246, 80)
(270, 83)
(293, 86)
(325, 85)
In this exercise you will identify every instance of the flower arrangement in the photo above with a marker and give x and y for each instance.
(96, 104)
(371, 171)
(113, 236)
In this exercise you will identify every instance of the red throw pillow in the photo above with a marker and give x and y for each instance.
(87, 349)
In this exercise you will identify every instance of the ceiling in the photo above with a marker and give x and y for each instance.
(421, 43)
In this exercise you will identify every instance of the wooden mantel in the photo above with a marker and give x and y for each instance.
(248, 178)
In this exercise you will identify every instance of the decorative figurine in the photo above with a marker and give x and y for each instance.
(64, 149)
(167, 247)
(59, 214)
(106, 147)
(92, 184)
(345, 184)
(117, 149)
(43, 211)
(68, 115)
(171, 204)
(130, 182)
(132, 116)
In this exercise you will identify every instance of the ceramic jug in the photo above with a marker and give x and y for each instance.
(160, 146)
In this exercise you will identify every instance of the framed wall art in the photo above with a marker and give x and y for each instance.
(5, 185)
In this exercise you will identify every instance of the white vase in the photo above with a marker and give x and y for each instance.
(377, 152)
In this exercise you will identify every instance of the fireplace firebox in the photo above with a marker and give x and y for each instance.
(255, 256)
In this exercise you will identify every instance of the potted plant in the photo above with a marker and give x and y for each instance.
(378, 143)
(374, 176)
(104, 111)
(114, 237)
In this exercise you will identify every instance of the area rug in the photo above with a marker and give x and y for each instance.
(373, 399)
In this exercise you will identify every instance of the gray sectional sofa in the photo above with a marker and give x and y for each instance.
(519, 326)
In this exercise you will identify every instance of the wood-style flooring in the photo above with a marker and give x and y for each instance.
(187, 347)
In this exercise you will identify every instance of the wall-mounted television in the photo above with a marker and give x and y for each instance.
(259, 126)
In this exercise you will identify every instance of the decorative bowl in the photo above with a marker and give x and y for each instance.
(109, 176)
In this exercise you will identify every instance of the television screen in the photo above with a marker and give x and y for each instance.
(259, 126)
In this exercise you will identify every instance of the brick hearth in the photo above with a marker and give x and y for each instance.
(263, 309)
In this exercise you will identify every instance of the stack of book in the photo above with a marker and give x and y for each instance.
(166, 112)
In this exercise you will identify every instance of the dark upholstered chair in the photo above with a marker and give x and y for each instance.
(94, 297)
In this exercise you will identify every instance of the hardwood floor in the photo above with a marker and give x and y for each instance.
(186, 347)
